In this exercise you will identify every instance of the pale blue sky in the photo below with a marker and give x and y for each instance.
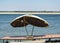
(29, 5)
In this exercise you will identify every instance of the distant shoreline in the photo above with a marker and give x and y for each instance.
(29, 12)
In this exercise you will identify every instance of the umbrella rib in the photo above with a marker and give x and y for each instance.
(26, 31)
(32, 31)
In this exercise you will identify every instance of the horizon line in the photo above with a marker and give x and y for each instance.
(29, 12)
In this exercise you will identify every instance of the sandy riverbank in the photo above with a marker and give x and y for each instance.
(29, 12)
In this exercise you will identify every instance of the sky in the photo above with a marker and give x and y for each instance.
(29, 5)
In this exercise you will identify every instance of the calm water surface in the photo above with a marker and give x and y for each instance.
(7, 30)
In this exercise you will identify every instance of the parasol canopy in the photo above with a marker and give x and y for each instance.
(24, 20)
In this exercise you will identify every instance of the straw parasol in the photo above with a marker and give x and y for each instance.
(29, 19)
